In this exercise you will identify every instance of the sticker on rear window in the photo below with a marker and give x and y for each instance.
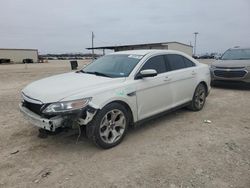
(135, 56)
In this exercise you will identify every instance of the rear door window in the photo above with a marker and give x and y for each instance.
(175, 61)
(188, 62)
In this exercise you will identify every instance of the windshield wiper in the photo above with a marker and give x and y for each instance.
(96, 73)
(100, 74)
(82, 71)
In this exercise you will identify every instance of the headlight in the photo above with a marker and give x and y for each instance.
(60, 107)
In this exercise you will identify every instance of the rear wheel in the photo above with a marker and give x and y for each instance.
(199, 98)
(109, 126)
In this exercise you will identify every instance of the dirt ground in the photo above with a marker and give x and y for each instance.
(177, 150)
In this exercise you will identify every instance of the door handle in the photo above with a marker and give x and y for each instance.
(166, 79)
(193, 73)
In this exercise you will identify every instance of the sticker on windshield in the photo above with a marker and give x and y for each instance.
(135, 56)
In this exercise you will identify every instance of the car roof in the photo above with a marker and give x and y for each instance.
(146, 52)
(240, 48)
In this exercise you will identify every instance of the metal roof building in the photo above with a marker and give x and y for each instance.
(17, 55)
(188, 49)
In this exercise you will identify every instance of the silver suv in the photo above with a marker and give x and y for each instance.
(234, 65)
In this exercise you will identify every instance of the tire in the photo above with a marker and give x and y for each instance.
(109, 126)
(199, 98)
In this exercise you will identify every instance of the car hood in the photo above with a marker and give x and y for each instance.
(231, 63)
(56, 88)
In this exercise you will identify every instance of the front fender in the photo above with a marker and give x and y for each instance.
(98, 102)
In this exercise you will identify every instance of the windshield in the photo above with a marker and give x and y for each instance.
(118, 65)
(236, 54)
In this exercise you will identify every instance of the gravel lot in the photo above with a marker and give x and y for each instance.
(177, 150)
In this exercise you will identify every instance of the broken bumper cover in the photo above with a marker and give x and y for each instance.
(48, 124)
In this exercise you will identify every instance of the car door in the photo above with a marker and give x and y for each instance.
(153, 93)
(183, 78)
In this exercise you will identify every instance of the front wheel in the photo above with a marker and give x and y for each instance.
(109, 126)
(199, 98)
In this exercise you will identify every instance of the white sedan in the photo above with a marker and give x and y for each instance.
(116, 91)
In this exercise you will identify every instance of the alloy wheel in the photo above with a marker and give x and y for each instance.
(200, 97)
(112, 126)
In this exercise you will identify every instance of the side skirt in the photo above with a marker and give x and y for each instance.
(138, 123)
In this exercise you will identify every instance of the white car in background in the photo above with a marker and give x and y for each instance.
(116, 91)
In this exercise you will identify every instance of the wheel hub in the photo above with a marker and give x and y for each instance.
(200, 97)
(112, 126)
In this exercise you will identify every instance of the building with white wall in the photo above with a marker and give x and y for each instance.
(188, 49)
(17, 55)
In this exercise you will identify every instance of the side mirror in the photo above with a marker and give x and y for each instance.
(146, 73)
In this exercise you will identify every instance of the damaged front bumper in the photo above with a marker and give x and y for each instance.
(48, 124)
(83, 117)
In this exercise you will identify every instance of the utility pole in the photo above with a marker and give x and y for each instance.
(195, 38)
(92, 40)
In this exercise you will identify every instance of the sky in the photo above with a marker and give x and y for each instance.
(59, 26)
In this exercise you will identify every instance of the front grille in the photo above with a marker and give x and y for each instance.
(230, 67)
(36, 108)
(230, 74)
